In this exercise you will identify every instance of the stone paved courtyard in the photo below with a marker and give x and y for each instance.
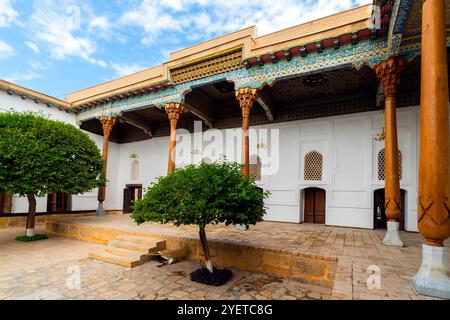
(42, 269)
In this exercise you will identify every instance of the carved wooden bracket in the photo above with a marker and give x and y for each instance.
(108, 124)
(174, 111)
(246, 97)
(389, 73)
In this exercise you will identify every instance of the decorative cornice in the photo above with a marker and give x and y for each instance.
(369, 52)
(215, 65)
(400, 14)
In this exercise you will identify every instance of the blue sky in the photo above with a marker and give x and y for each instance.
(59, 46)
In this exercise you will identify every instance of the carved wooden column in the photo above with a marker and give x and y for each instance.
(389, 72)
(433, 205)
(174, 111)
(107, 124)
(246, 97)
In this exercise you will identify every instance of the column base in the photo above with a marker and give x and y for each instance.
(433, 278)
(392, 237)
(30, 232)
(100, 210)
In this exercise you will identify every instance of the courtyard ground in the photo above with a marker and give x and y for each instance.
(48, 269)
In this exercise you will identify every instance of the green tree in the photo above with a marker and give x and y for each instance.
(201, 195)
(39, 156)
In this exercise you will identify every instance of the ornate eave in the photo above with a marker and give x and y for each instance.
(327, 43)
(368, 52)
(37, 97)
(123, 95)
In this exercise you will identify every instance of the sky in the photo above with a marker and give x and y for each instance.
(60, 46)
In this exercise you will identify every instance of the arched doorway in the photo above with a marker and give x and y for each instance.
(379, 214)
(314, 210)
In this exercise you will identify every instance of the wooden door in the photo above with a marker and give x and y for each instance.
(60, 202)
(380, 221)
(315, 205)
(127, 199)
(379, 210)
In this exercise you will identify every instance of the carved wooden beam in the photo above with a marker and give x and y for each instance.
(380, 95)
(266, 103)
(135, 121)
(199, 113)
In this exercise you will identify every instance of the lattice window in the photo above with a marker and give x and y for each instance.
(313, 166)
(255, 167)
(382, 166)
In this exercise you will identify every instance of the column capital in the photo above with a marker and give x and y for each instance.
(108, 124)
(246, 97)
(389, 72)
(174, 110)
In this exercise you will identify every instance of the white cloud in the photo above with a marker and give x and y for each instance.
(126, 69)
(100, 23)
(36, 65)
(7, 13)
(59, 25)
(203, 19)
(17, 77)
(32, 46)
(6, 50)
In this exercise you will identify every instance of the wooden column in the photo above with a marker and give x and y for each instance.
(107, 124)
(174, 111)
(434, 213)
(388, 72)
(433, 278)
(246, 98)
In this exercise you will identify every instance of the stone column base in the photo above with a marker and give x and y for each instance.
(392, 237)
(100, 210)
(433, 278)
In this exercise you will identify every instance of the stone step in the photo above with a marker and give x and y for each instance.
(137, 247)
(125, 252)
(151, 242)
(129, 262)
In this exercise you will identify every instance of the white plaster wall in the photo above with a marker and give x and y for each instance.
(346, 143)
(350, 165)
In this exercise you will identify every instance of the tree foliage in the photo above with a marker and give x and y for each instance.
(39, 156)
(201, 195)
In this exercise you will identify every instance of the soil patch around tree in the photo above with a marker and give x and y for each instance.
(218, 278)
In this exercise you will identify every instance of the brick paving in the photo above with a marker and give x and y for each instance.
(41, 268)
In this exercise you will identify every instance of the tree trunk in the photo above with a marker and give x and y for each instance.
(205, 248)
(31, 214)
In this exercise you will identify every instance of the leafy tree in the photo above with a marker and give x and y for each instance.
(39, 156)
(201, 195)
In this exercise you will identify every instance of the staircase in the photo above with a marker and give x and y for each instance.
(129, 251)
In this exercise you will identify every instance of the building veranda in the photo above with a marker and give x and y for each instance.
(345, 120)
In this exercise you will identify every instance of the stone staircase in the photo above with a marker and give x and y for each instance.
(129, 251)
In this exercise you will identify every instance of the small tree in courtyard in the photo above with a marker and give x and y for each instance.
(39, 156)
(201, 195)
